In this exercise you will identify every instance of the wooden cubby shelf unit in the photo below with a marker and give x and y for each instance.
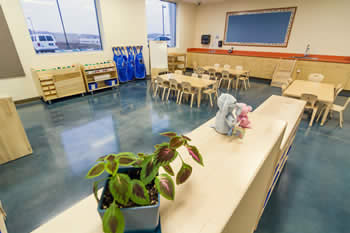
(99, 73)
(176, 61)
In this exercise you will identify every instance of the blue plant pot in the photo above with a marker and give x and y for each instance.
(137, 219)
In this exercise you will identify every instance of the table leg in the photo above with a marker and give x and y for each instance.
(324, 118)
(199, 97)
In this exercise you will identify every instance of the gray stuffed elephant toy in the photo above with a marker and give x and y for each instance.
(226, 118)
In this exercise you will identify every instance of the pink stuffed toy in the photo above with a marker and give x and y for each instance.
(243, 117)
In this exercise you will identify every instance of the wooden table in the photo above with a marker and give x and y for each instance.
(323, 91)
(197, 83)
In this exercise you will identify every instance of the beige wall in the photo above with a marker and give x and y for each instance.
(322, 23)
(123, 22)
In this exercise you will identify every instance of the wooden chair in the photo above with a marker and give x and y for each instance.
(174, 86)
(315, 77)
(178, 72)
(161, 84)
(194, 75)
(154, 74)
(283, 72)
(187, 89)
(200, 71)
(244, 78)
(213, 90)
(311, 104)
(206, 76)
(226, 77)
(212, 73)
(338, 108)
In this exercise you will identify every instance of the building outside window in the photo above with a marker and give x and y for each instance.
(57, 26)
(161, 21)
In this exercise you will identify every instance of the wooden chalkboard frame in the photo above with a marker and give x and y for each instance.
(270, 10)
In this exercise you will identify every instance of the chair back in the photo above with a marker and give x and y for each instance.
(211, 72)
(194, 75)
(310, 99)
(173, 84)
(200, 70)
(316, 77)
(239, 68)
(186, 87)
(337, 90)
(205, 76)
(226, 67)
(159, 80)
(225, 74)
(217, 66)
(178, 71)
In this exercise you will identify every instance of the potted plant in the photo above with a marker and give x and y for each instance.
(130, 199)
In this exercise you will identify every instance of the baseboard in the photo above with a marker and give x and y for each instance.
(25, 101)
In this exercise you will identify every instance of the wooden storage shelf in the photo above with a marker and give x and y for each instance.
(58, 83)
(106, 67)
(176, 61)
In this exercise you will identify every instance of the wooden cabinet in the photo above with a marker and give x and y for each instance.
(176, 61)
(14, 143)
(100, 75)
(59, 82)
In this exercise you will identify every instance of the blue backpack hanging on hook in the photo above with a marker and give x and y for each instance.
(131, 64)
(140, 68)
(121, 64)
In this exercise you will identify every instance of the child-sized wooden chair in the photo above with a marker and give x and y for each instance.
(187, 89)
(174, 86)
(161, 83)
(213, 90)
(226, 77)
(336, 108)
(311, 104)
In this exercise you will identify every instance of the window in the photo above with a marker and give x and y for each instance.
(62, 25)
(161, 21)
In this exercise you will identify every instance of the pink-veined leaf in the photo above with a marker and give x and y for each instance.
(165, 155)
(165, 186)
(169, 134)
(120, 188)
(113, 220)
(139, 193)
(193, 151)
(96, 170)
(176, 142)
(184, 173)
(169, 169)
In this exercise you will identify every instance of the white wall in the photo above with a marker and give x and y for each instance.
(123, 22)
(322, 23)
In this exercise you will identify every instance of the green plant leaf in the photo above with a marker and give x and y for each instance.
(102, 158)
(184, 173)
(164, 155)
(120, 187)
(139, 193)
(186, 138)
(169, 134)
(176, 142)
(113, 220)
(126, 160)
(95, 188)
(149, 170)
(169, 169)
(161, 145)
(193, 151)
(112, 167)
(127, 154)
(141, 155)
(96, 171)
(165, 186)
(110, 157)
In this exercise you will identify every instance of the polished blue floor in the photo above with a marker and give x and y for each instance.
(68, 136)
